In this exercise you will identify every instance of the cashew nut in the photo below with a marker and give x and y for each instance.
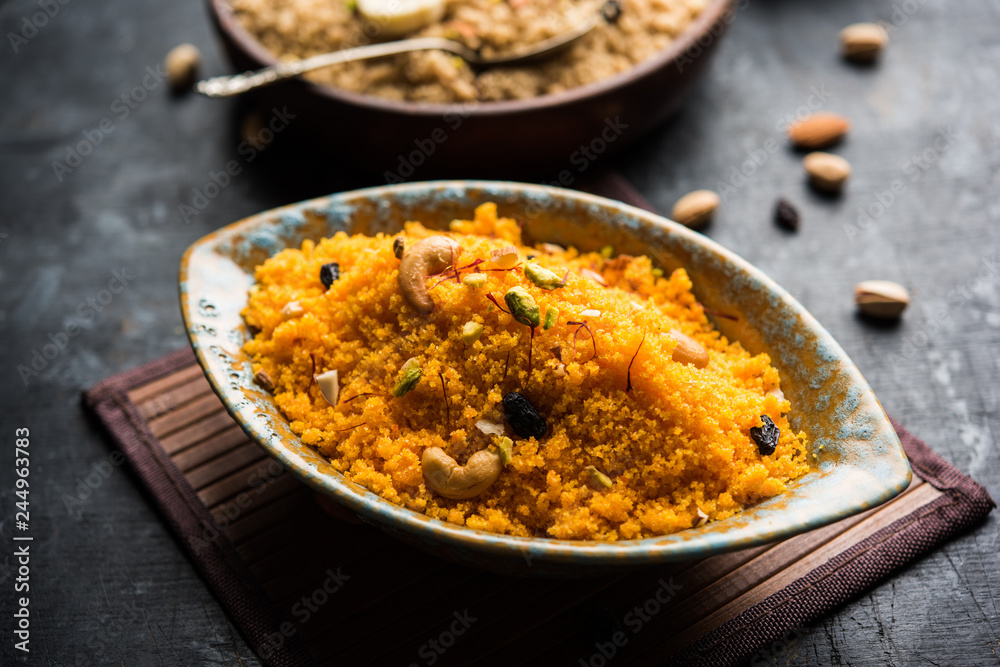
(448, 479)
(426, 257)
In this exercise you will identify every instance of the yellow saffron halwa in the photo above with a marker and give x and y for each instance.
(674, 440)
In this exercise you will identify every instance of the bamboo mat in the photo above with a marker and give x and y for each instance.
(306, 587)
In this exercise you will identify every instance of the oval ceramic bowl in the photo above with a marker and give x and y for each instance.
(860, 461)
(541, 135)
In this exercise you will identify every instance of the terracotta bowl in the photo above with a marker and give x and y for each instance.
(516, 139)
(860, 462)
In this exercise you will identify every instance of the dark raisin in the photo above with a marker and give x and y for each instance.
(611, 10)
(786, 215)
(398, 246)
(530, 257)
(523, 417)
(329, 274)
(765, 436)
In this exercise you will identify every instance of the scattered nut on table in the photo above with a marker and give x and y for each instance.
(818, 130)
(827, 171)
(862, 42)
(695, 209)
(881, 298)
(182, 65)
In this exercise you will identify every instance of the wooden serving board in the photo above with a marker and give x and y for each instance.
(305, 586)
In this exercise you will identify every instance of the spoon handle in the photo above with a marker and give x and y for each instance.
(226, 86)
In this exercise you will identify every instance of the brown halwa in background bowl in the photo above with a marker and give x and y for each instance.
(458, 123)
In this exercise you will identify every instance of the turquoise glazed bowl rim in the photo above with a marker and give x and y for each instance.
(859, 460)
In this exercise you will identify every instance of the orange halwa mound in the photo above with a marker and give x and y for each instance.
(676, 447)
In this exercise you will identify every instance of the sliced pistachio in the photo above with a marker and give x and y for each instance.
(607, 251)
(471, 332)
(329, 385)
(523, 307)
(506, 449)
(474, 280)
(598, 479)
(542, 277)
(551, 317)
(409, 376)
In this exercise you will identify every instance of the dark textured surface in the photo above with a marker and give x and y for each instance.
(108, 584)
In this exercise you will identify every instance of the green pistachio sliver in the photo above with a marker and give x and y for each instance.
(474, 280)
(607, 251)
(657, 272)
(471, 332)
(506, 449)
(551, 316)
(409, 376)
(598, 478)
(542, 277)
(523, 307)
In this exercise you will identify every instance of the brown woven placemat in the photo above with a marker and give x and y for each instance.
(307, 588)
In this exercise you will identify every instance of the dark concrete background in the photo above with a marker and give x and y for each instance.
(108, 583)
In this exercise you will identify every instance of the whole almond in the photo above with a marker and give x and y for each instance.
(818, 130)
(862, 42)
(695, 209)
(881, 298)
(827, 171)
(181, 65)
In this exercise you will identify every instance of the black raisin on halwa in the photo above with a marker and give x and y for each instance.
(765, 436)
(329, 274)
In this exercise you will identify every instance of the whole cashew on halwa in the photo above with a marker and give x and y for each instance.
(424, 258)
(446, 478)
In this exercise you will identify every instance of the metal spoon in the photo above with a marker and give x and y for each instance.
(225, 86)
